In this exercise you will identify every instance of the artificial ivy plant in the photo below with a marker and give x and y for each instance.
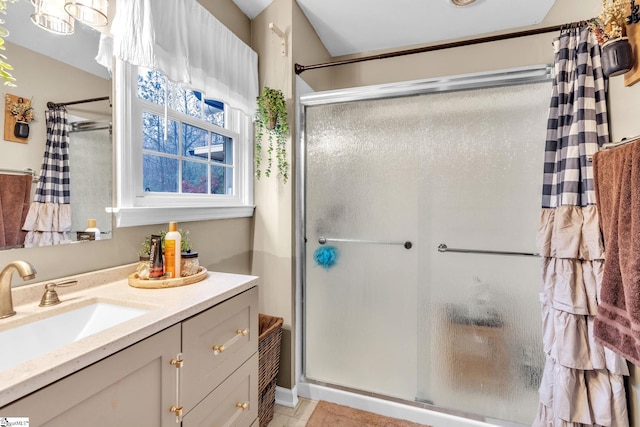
(271, 119)
(4, 66)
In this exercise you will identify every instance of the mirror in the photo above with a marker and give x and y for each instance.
(62, 70)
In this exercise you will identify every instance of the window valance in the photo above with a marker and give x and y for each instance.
(188, 44)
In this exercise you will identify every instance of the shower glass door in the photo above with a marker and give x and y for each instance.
(460, 331)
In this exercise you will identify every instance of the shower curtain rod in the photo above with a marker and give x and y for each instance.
(299, 69)
(81, 101)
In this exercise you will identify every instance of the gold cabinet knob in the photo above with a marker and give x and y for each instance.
(178, 363)
(176, 410)
(242, 332)
(218, 348)
(243, 405)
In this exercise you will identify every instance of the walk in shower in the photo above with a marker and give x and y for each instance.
(413, 187)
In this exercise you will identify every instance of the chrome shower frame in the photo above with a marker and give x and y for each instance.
(499, 78)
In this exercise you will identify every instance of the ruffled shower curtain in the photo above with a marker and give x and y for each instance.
(582, 383)
(49, 218)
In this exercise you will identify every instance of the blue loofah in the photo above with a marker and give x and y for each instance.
(326, 256)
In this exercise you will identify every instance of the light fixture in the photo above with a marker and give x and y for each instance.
(51, 16)
(462, 2)
(91, 12)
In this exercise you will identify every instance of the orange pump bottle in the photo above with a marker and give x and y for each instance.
(172, 251)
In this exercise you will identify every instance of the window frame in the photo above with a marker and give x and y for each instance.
(133, 207)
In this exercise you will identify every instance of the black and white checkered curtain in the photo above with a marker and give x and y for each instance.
(577, 124)
(49, 218)
(582, 381)
(53, 186)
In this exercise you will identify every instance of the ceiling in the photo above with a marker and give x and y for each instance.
(355, 26)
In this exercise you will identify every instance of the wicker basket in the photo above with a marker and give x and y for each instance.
(269, 336)
(266, 403)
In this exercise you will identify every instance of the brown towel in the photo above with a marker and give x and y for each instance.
(15, 194)
(617, 187)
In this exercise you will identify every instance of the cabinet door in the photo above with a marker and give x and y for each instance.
(205, 368)
(134, 387)
(233, 403)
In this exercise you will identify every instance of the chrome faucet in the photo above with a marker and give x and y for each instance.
(26, 271)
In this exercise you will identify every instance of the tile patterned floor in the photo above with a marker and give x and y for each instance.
(293, 417)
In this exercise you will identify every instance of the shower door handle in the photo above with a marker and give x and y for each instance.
(407, 244)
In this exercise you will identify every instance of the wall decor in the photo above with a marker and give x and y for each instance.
(633, 33)
(610, 30)
(18, 113)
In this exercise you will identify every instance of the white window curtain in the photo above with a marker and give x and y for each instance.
(184, 41)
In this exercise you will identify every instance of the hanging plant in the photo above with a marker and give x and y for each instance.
(271, 120)
(4, 66)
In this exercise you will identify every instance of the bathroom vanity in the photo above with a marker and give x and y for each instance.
(190, 358)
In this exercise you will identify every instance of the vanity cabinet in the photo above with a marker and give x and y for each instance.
(133, 387)
(216, 382)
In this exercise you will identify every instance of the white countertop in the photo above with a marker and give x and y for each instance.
(166, 308)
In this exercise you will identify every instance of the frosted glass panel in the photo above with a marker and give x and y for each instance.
(360, 186)
(461, 331)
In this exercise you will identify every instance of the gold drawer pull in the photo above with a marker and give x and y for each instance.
(217, 349)
(178, 363)
(242, 406)
(177, 410)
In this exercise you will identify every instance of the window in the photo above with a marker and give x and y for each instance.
(181, 155)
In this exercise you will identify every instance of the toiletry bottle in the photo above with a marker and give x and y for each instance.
(156, 269)
(172, 251)
(91, 227)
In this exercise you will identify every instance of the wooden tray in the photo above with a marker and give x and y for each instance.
(167, 283)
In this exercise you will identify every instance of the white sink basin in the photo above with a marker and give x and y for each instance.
(34, 339)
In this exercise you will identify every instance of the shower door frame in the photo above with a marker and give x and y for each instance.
(498, 78)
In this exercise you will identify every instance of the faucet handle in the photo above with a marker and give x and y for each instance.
(50, 296)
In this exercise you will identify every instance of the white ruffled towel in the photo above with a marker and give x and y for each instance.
(47, 224)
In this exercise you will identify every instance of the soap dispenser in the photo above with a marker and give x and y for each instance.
(91, 227)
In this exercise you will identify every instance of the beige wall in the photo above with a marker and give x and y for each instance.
(223, 245)
(308, 49)
(274, 246)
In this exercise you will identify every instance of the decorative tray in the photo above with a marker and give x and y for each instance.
(167, 283)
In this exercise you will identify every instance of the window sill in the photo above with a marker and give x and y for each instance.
(132, 217)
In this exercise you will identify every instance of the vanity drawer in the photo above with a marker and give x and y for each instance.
(215, 343)
(233, 403)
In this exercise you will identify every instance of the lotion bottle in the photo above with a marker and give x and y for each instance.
(91, 227)
(172, 251)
